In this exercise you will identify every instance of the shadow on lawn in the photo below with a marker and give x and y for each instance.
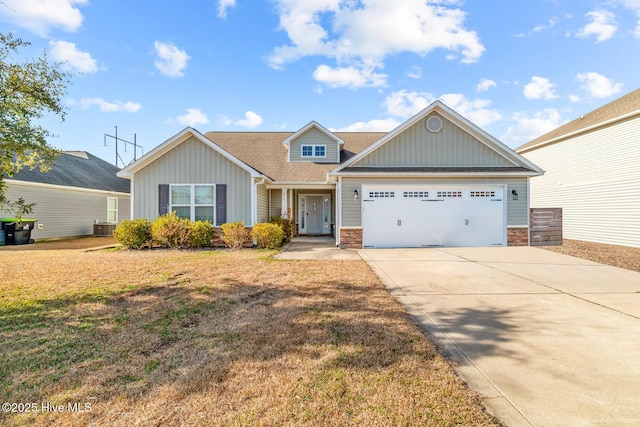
(190, 338)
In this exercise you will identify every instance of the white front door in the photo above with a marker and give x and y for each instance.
(315, 214)
(425, 216)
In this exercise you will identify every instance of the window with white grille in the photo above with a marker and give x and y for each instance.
(449, 193)
(483, 194)
(417, 194)
(382, 194)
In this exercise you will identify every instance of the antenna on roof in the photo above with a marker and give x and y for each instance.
(125, 143)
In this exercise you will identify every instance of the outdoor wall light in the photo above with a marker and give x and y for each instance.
(514, 194)
(355, 194)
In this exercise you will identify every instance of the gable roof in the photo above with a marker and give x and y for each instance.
(517, 161)
(619, 109)
(78, 169)
(176, 140)
(313, 124)
(266, 153)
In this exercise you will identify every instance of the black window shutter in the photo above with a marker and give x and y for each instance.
(163, 197)
(221, 204)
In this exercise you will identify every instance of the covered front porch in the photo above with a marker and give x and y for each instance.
(312, 208)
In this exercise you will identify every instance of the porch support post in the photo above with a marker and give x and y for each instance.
(283, 209)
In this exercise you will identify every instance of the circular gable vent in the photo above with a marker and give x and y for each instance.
(434, 124)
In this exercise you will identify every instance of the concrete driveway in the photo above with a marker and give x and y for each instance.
(547, 339)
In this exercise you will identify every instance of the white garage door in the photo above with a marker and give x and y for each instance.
(426, 216)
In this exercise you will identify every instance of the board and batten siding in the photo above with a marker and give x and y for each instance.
(65, 211)
(314, 137)
(417, 146)
(595, 179)
(517, 210)
(193, 162)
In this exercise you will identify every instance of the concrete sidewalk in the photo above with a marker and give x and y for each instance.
(316, 248)
(547, 339)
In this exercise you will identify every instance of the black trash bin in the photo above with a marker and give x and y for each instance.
(17, 232)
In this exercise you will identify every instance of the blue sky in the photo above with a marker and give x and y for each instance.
(517, 69)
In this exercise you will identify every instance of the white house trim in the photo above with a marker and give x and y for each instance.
(176, 140)
(579, 131)
(441, 108)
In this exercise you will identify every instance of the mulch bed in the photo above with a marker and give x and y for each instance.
(617, 256)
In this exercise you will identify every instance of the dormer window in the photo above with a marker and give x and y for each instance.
(314, 151)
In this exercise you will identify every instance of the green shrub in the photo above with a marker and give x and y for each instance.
(201, 233)
(267, 235)
(171, 231)
(288, 227)
(234, 234)
(134, 233)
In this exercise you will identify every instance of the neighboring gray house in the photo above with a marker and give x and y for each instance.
(592, 172)
(79, 190)
(436, 180)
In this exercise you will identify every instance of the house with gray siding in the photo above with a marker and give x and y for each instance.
(79, 191)
(436, 180)
(592, 172)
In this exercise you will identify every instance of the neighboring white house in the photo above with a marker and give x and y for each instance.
(435, 180)
(79, 190)
(592, 172)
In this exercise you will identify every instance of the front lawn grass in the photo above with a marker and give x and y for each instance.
(215, 338)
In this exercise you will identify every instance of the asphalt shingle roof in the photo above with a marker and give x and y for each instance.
(78, 169)
(265, 152)
(617, 108)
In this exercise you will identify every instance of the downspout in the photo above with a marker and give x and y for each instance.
(131, 198)
(338, 210)
(528, 211)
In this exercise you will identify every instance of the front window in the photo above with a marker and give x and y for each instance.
(307, 151)
(193, 202)
(314, 151)
(112, 209)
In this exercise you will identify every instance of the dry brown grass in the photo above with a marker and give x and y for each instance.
(617, 256)
(216, 338)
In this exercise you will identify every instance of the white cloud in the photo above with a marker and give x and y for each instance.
(223, 5)
(171, 60)
(602, 26)
(540, 88)
(360, 34)
(527, 128)
(415, 72)
(351, 77)
(73, 58)
(110, 107)
(575, 98)
(40, 16)
(475, 110)
(550, 24)
(405, 104)
(251, 120)
(598, 85)
(378, 125)
(193, 117)
(485, 85)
